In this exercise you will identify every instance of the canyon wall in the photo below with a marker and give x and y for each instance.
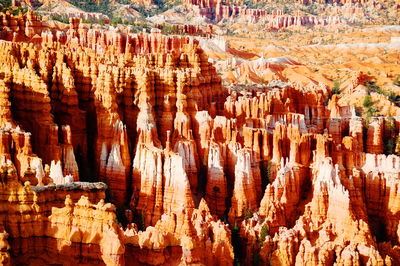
(300, 178)
(218, 11)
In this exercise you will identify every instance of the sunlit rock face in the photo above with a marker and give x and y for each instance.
(188, 170)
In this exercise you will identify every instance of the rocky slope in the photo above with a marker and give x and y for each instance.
(218, 11)
(198, 174)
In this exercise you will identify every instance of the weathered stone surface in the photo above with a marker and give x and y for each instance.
(297, 173)
(218, 10)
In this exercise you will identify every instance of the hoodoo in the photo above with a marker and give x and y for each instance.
(199, 133)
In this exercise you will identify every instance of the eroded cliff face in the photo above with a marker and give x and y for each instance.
(301, 178)
(36, 231)
(115, 107)
(72, 224)
(93, 100)
(229, 10)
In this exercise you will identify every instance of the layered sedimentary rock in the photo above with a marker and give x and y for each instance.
(342, 229)
(87, 16)
(216, 184)
(91, 105)
(201, 238)
(316, 172)
(299, 178)
(35, 220)
(205, 4)
(218, 10)
(28, 216)
(87, 96)
(244, 192)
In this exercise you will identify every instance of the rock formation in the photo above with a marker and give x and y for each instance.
(297, 177)
(218, 11)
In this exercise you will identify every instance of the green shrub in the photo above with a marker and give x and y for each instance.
(12, 9)
(390, 140)
(392, 96)
(336, 87)
(264, 233)
(390, 125)
(60, 19)
(102, 6)
(169, 29)
(372, 87)
(115, 21)
(371, 112)
(6, 3)
(367, 101)
(161, 6)
(311, 9)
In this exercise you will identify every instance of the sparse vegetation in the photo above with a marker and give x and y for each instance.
(336, 87)
(311, 9)
(91, 6)
(264, 233)
(60, 19)
(373, 87)
(106, 7)
(137, 27)
(161, 6)
(396, 81)
(370, 111)
(248, 213)
(4, 7)
(391, 139)
(115, 21)
(367, 101)
(6, 3)
(392, 96)
(169, 29)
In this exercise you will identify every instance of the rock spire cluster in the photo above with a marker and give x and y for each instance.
(187, 164)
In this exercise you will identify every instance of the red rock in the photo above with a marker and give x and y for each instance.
(218, 11)
(216, 187)
(147, 114)
(4, 248)
(244, 199)
(374, 136)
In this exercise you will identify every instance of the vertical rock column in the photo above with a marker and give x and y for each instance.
(374, 136)
(244, 200)
(216, 188)
(68, 157)
(185, 145)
